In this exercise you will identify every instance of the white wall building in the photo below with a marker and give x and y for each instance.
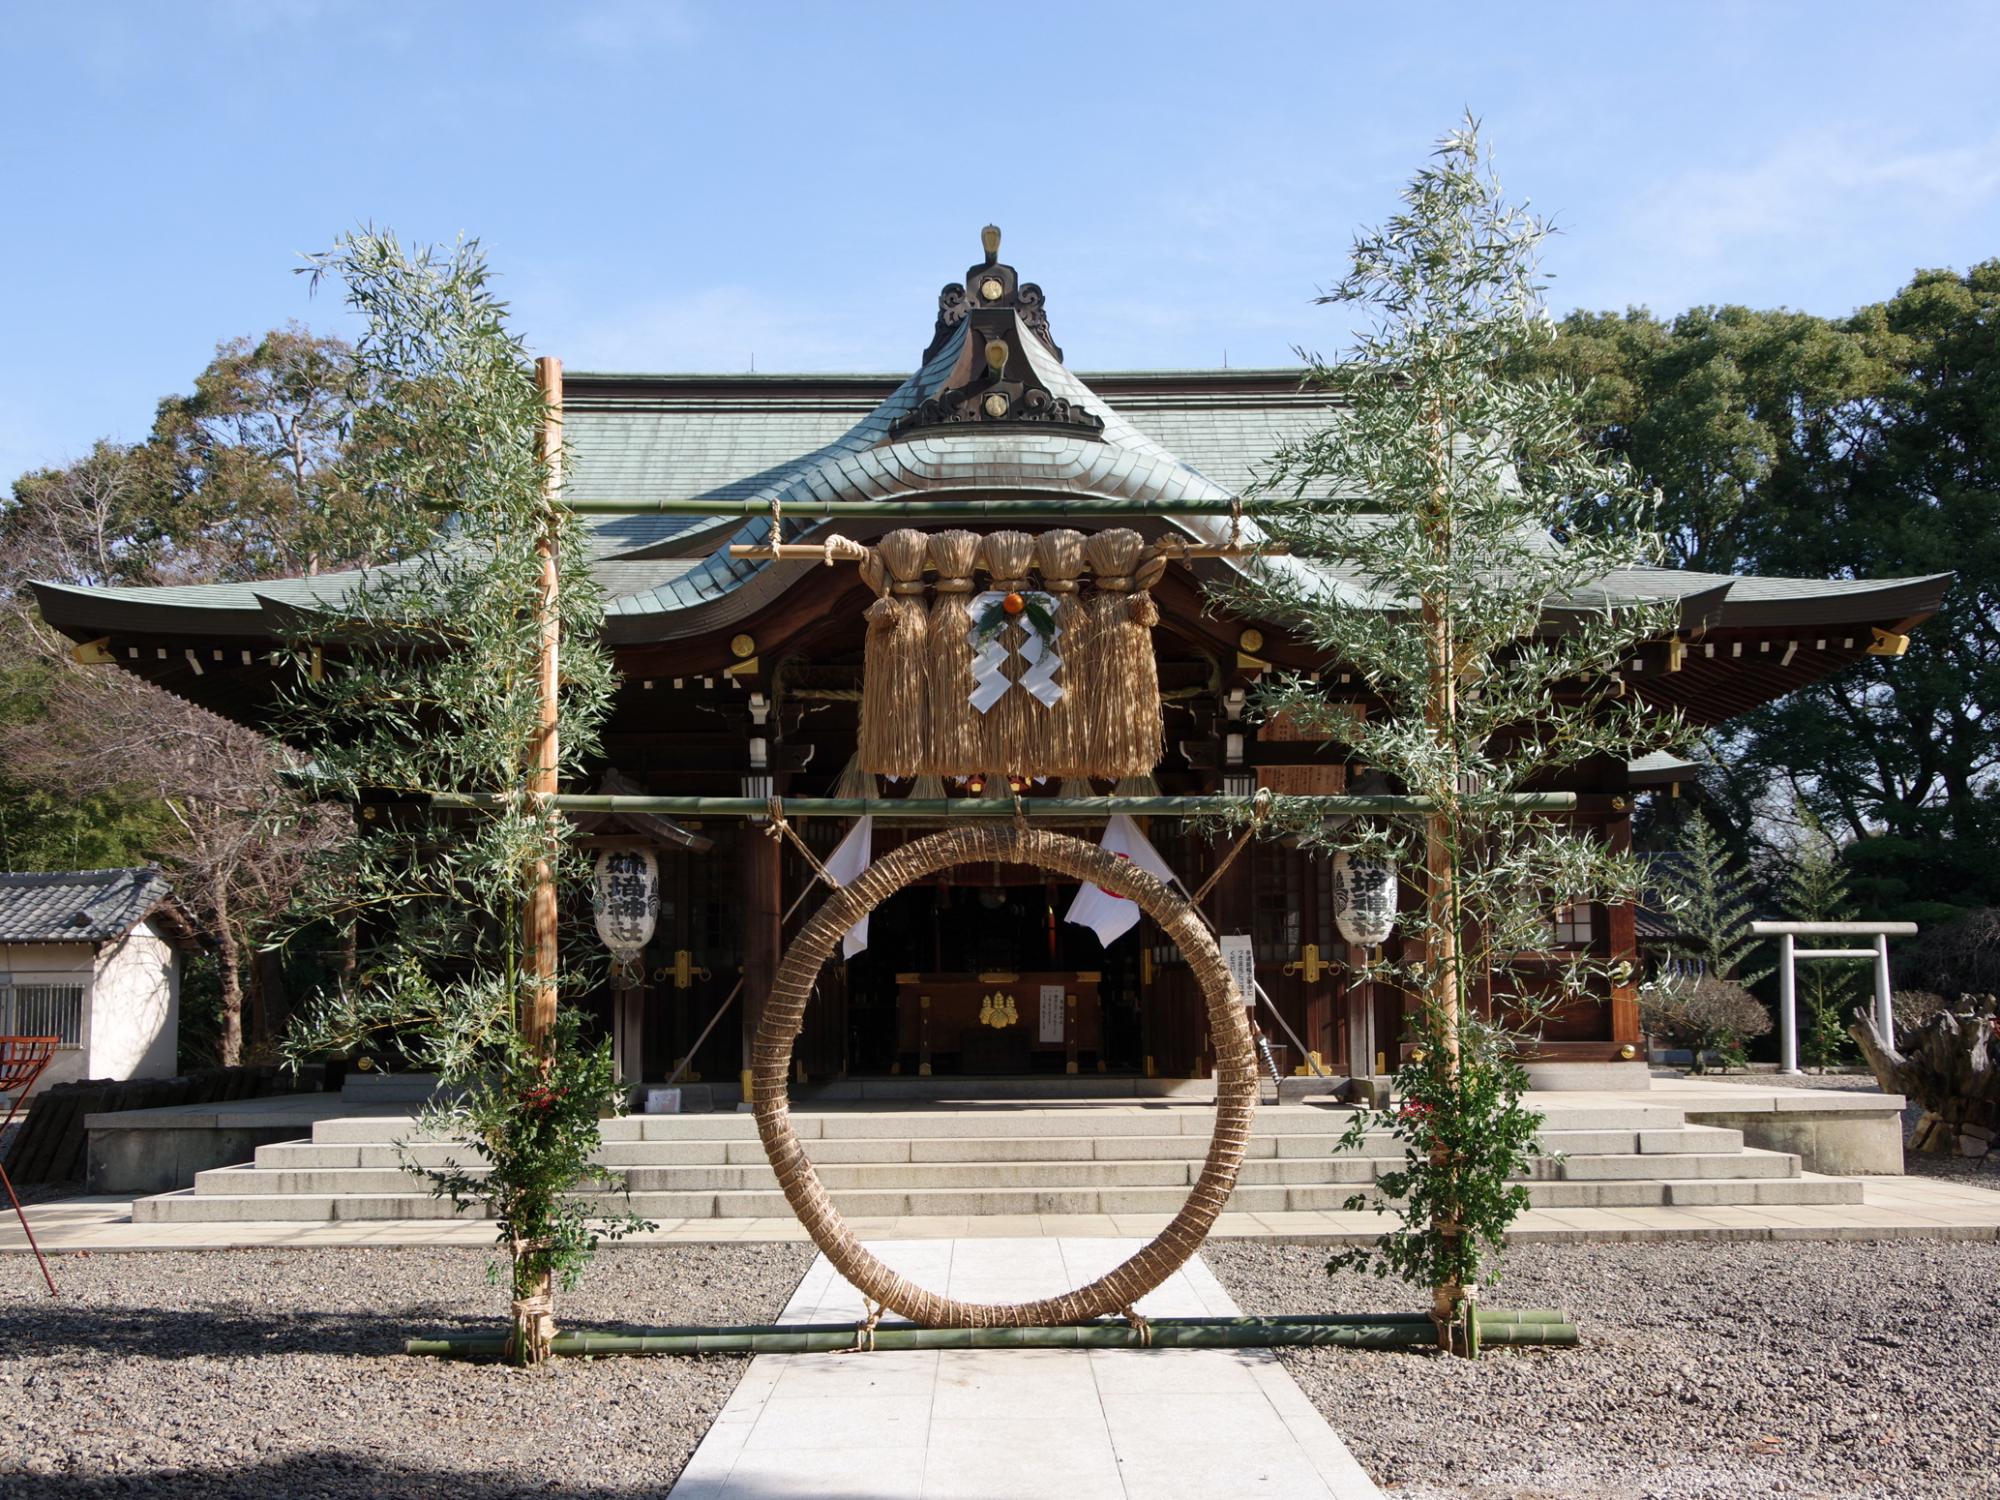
(94, 957)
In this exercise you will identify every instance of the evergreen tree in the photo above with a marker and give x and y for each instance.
(1711, 909)
(1816, 891)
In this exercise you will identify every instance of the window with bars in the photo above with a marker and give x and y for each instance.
(43, 1010)
(1292, 904)
(1572, 927)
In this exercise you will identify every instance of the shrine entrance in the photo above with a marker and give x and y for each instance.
(976, 974)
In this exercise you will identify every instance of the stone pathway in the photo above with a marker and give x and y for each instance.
(992, 1424)
(1891, 1208)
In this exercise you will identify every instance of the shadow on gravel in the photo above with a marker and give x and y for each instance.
(187, 1333)
(336, 1476)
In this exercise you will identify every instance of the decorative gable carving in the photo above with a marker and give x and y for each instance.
(991, 284)
(993, 380)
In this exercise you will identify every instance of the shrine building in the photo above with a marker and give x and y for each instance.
(743, 676)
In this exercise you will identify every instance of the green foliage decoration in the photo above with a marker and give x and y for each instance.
(533, 1113)
(1457, 546)
(1466, 1139)
(421, 676)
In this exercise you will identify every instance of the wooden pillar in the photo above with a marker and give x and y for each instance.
(760, 893)
(1229, 906)
(538, 1013)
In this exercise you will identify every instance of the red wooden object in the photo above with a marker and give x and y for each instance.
(22, 1059)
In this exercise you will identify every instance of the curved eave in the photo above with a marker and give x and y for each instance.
(84, 614)
(1891, 602)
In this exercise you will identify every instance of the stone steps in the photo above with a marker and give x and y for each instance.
(307, 1156)
(1329, 1169)
(973, 1202)
(1019, 1160)
(995, 1123)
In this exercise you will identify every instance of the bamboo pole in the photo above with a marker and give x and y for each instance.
(1354, 1331)
(530, 1340)
(940, 504)
(538, 1015)
(1441, 850)
(957, 809)
(817, 552)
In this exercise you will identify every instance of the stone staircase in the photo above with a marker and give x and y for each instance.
(1083, 1158)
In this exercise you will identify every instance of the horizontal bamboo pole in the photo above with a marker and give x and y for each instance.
(1362, 1331)
(947, 809)
(808, 552)
(944, 506)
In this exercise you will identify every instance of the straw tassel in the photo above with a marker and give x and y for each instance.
(894, 685)
(1011, 730)
(955, 729)
(1122, 710)
(1065, 743)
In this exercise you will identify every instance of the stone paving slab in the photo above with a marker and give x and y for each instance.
(1032, 1423)
(1891, 1208)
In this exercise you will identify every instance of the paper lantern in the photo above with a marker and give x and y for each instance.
(625, 894)
(1364, 898)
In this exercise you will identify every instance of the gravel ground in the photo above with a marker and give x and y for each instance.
(1707, 1372)
(1984, 1173)
(278, 1373)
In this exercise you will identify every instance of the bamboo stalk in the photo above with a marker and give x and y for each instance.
(941, 504)
(954, 809)
(1354, 1331)
(534, 1324)
(816, 552)
(538, 1017)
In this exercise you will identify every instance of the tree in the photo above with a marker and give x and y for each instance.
(425, 679)
(102, 768)
(1711, 912)
(1860, 447)
(1457, 573)
(237, 480)
(234, 835)
(245, 469)
(1816, 891)
(1703, 1013)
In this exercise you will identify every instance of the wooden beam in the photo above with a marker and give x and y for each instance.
(951, 809)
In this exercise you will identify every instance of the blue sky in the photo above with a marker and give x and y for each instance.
(691, 186)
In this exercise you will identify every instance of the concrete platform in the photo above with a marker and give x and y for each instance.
(1098, 1424)
(1848, 1132)
(1890, 1208)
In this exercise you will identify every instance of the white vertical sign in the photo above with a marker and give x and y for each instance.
(1052, 1013)
(1241, 956)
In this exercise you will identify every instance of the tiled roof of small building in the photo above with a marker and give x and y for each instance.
(78, 906)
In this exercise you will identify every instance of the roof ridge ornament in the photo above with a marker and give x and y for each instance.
(990, 283)
(993, 379)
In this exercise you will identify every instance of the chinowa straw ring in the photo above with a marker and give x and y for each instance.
(784, 1014)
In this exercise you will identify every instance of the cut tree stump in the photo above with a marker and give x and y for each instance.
(1949, 1064)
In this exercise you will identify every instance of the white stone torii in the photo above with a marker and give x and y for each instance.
(1787, 934)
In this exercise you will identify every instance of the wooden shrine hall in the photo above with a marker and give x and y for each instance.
(766, 672)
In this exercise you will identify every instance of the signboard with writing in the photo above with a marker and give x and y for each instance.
(1052, 1013)
(1241, 957)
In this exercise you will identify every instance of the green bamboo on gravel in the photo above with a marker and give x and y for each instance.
(1341, 1330)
